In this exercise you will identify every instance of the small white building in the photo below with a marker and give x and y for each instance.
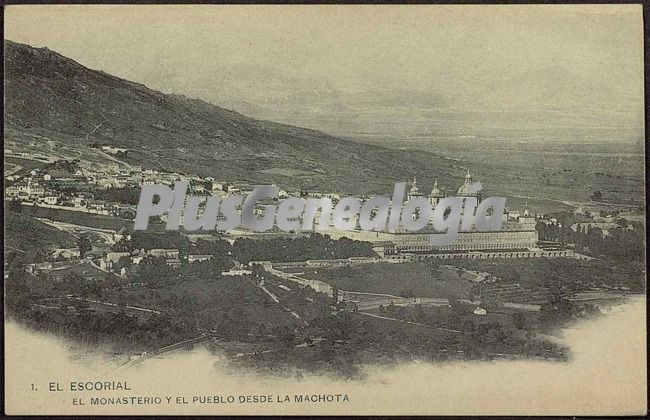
(79, 202)
(197, 258)
(480, 311)
(116, 256)
(166, 253)
(51, 199)
(12, 191)
(236, 272)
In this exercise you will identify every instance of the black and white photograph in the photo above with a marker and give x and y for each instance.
(324, 210)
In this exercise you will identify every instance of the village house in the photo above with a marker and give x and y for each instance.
(480, 311)
(166, 253)
(173, 262)
(79, 202)
(137, 259)
(114, 150)
(12, 191)
(197, 258)
(119, 235)
(23, 187)
(97, 205)
(50, 199)
(36, 190)
(65, 254)
(236, 272)
(105, 265)
(117, 256)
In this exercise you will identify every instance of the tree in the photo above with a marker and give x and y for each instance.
(418, 313)
(84, 245)
(407, 293)
(519, 320)
(39, 255)
(15, 206)
(391, 308)
(287, 337)
(335, 295)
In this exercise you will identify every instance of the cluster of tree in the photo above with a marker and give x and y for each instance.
(220, 249)
(24, 289)
(15, 206)
(621, 244)
(70, 166)
(155, 273)
(84, 245)
(596, 196)
(559, 309)
(561, 275)
(125, 195)
(23, 292)
(314, 247)
(151, 240)
(75, 284)
(210, 269)
(18, 293)
(122, 331)
(338, 326)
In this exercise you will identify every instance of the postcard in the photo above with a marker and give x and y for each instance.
(324, 209)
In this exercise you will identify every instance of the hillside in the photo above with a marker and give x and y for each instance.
(54, 103)
(41, 237)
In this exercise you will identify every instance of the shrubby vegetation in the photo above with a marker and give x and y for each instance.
(562, 275)
(29, 239)
(621, 245)
(314, 247)
(124, 195)
(123, 332)
(244, 250)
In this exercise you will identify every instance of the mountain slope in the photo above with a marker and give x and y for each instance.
(54, 100)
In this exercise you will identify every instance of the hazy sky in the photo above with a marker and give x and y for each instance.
(184, 49)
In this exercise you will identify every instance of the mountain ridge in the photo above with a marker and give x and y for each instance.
(47, 92)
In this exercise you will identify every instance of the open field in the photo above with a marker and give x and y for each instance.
(25, 165)
(412, 279)
(552, 174)
(99, 221)
(529, 281)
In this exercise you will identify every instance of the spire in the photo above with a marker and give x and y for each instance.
(435, 192)
(414, 190)
(468, 177)
(526, 214)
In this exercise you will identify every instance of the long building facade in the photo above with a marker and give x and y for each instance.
(514, 236)
(518, 231)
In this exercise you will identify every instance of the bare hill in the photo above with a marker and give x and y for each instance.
(53, 97)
